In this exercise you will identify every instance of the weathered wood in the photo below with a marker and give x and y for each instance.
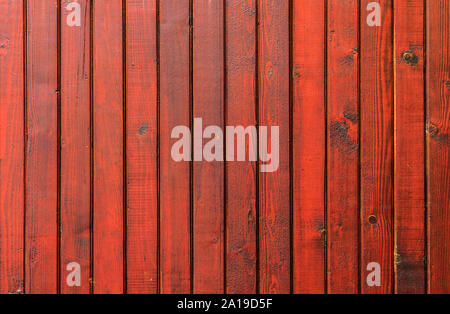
(41, 147)
(438, 145)
(87, 174)
(308, 145)
(343, 147)
(241, 177)
(409, 197)
(108, 147)
(175, 177)
(377, 147)
(274, 110)
(75, 148)
(11, 147)
(208, 177)
(142, 137)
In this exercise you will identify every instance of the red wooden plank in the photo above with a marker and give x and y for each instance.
(241, 176)
(343, 147)
(208, 180)
(274, 187)
(42, 138)
(409, 197)
(75, 146)
(308, 145)
(142, 136)
(11, 147)
(175, 237)
(108, 146)
(438, 143)
(376, 147)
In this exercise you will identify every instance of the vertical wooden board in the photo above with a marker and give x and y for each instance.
(42, 145)
(241, 176)
(142, 137)
(175, 178)
(438, 144)
(11, 147)
(75, 146)
(376, 147)
(208, 177)
(274, 187)
(308, 145)
(343, 147)
(108, 146)
(409, 194)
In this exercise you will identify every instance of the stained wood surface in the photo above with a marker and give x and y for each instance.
(75, 148)
(274, 110)
(108, 148)
(11, 147)
(438, 145)
(41, 160)
(141, 146)
(241, 215)
(308, 146)
(208, 177)
(343, 147)
(87, 114)
(175, 177)
(409, 197)
(377, 147)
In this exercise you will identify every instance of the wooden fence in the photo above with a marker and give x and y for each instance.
(90, 92)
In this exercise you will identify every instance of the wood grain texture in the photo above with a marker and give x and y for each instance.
(175, 177)
(208, 177)
(11, 147)
(438, 144)
(241, 259)
(308, 145)
(273, 110)
(409, 195)
(87, 173)
(75, 148)
(142, 149)
(108, 146)
(377, 147)
(343, 147)
(42, 145)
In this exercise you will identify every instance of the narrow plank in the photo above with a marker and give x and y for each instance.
(175, 178)
(42, 145)
(208, 177)
(142, 137)
(108, 146)
(11, 147)
(241, 176)
(274, 187)
(75, 147)
(409, 195)
(343, 147)
(377, 147)
(438, 144)
(308, 145)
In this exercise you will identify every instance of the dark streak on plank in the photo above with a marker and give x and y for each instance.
(377, 147)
